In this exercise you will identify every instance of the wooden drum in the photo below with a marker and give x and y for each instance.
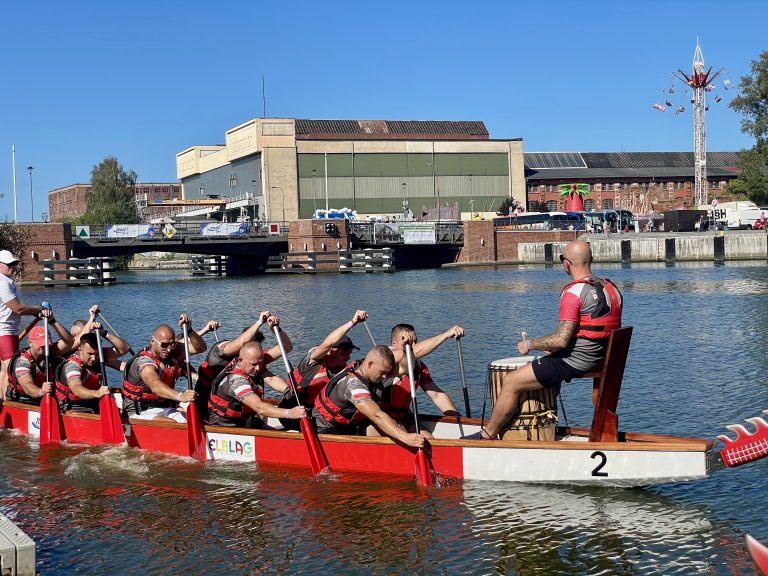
(536, 415)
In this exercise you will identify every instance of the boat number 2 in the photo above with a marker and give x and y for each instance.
(603, 459)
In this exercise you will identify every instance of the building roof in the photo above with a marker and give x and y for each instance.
(611, 165)
(390, 130)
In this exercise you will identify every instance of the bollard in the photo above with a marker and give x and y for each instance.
(548, 254)
(669, 251)
(626, 253)
(719, 249)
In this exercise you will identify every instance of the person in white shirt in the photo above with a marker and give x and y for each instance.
(11, 311)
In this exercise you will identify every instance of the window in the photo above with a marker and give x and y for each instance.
(589, 204)
(552, 205)
(607, 204)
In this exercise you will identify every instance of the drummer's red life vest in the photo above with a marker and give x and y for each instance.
(228, 406)
(331, 411)
(140, 392)
(16, 390)
(90, 380)
(607, 315)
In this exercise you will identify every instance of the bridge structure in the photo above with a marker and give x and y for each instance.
(249, 250)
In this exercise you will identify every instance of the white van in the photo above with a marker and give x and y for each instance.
(738, 215)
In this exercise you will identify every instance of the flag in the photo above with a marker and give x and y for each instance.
(660, 107)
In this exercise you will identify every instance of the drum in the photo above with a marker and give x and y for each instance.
(536, 415)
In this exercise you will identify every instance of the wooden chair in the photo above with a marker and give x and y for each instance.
(606, 386)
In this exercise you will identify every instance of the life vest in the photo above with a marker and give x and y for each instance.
(64, 394)
(348, 414)
(310, 384)
(226, 406)
(209, 369)
(16, 390)
(396, 398)
(607, 315)
(142, 394)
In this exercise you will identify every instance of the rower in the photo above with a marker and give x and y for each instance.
(78, 380)
(112, 354)
(27, 374)
(320, 364)
(347, 405)
(223, 353)
(149, 379)
(237, 392)
(396, 392)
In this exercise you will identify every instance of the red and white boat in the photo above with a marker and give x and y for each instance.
(632, 460)
(600, 455)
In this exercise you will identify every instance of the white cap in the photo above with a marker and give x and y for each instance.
(7, 258)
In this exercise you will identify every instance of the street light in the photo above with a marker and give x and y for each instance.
(405, 203)
(31, 200)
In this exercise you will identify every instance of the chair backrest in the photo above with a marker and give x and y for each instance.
(608, 386)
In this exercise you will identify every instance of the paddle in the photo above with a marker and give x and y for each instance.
(422, 466)
(317, 458)
(50, 429)
(463, 380)
(195, 434)
(373, 342)
(100, 315)
(111, 426)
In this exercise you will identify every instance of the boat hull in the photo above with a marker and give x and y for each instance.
(635, 460)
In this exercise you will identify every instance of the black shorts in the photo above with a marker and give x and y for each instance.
(551, 372)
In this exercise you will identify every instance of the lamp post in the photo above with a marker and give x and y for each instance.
(471, 199)
(31, 200)
(202, 189)
(326, 184)
(405, 203)
(314, 196)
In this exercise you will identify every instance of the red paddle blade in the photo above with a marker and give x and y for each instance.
(423, 469)
(50, 421)
(317, 458)
(759, 554)
(748, 446)
(111, 426)
(195, 434)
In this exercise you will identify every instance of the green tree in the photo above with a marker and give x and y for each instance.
(111, 198)
(16, 239)
(507, 206)
(752, 105)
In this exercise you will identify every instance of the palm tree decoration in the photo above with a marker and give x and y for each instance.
(575, 194)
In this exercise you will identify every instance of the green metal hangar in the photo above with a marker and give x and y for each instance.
(281, 169)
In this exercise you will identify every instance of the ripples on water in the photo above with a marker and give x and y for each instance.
(696, 364)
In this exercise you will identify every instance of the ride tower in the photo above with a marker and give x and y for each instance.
(700, 83)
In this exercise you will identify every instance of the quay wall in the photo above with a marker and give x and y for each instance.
(484, 245)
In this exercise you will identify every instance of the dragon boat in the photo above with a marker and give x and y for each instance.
(600, 455)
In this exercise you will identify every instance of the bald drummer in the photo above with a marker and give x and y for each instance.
(590, 309)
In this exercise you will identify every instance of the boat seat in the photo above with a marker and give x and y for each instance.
(606, 386)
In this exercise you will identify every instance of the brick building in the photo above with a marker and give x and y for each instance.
(71, 201)
(636, 181)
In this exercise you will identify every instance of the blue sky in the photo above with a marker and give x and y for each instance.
(143, 80)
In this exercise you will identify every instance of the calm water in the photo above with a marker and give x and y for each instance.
(698, 356)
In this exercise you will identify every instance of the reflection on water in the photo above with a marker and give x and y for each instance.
(697, 357)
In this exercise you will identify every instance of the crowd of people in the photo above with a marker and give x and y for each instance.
(367, 396)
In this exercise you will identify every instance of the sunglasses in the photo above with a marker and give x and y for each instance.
(164, 345)
(12, 264)
(563, 258)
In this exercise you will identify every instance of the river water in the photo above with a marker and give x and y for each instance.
(699, 352)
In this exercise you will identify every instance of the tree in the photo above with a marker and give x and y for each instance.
(111, 198)
(508, 206)
(536, 206)
(16, 239)
(752, 104)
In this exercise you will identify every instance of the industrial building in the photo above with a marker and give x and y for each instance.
(72, 201)
(281, 169)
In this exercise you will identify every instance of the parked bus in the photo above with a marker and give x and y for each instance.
(616, 219)
(541, 221)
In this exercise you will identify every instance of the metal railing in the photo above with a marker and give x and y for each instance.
(180, 230)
